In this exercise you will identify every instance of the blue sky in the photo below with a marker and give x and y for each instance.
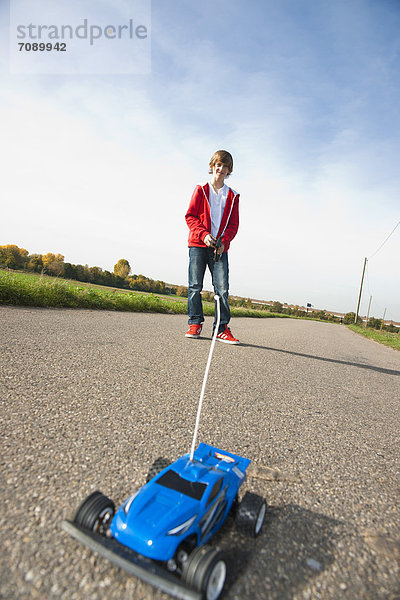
(304, 94)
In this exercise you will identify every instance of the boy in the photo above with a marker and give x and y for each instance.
(212, 216)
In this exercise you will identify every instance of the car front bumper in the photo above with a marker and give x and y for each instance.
(144, 568)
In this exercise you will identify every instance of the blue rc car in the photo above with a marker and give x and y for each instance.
(160, 533)
(170, 519)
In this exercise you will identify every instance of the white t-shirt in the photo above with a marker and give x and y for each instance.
(217, 207)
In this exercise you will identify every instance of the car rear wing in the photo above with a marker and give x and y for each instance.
(221, 459)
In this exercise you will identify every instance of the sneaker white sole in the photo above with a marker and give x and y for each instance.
(191, 336)
(228, 341)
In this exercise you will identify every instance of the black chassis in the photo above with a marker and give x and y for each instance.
(144, 568)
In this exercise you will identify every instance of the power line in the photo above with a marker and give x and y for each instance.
(366, 271)
(381, 246)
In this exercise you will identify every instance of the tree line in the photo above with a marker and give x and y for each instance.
(13, 257)
(54, 265)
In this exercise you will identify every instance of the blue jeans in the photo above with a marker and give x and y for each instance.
(199, 259)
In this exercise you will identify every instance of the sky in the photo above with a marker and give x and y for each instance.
(100, 166)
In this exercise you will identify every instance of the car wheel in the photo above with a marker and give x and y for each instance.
(158, 465)
(234, 507)
(205, 571)
(250, 514)
(95, 513)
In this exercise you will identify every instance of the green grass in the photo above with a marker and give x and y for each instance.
(20, 289)
(28, 289)
(383, 337)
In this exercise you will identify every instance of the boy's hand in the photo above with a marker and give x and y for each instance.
(210, 240)
(221, 249)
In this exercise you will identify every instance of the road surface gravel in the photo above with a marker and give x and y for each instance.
(90, 398)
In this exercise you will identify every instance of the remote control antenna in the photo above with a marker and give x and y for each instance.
(217, 300)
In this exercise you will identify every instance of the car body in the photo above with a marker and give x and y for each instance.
(160, 532)
(188, 501)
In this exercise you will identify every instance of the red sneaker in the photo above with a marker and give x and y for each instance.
(227, 337)
(194, 330)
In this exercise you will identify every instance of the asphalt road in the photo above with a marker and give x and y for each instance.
(89, 399)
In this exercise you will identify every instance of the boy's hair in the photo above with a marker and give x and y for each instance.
(222, 156)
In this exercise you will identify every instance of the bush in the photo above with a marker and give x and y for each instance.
(391, 328)
(277, 307)
(207, 296)
(374, 323)
(182, 291)
(349, 319)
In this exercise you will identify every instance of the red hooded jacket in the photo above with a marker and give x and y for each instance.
(198, 217)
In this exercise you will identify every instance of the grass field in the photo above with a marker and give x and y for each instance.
(383, 337)
(28, 289)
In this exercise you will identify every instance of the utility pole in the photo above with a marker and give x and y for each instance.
(361, 285)
(383, 318)
(369, 306)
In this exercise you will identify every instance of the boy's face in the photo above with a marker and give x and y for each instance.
(220, 171)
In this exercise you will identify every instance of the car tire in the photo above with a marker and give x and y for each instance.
(250, 514)
(205, 571)
(234, 507)
(158, 465)
(95, 513)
